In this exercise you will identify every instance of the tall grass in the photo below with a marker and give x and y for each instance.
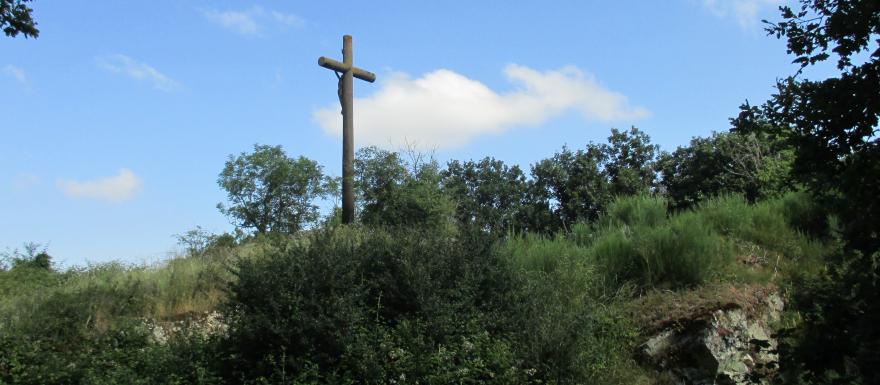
(790, 228)
(637, 242)
(101, 294)
(538, 252)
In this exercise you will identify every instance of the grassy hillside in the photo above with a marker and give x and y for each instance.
(392, 305)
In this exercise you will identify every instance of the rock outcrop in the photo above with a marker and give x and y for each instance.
(204, 325)
(726, 341)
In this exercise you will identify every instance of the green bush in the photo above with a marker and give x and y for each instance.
(536, 252)
(685, 252)
(681, 252)
(326, 307)
(93, 333)
(782, 225)
(617, 255)
(571, 330)
(636, 211)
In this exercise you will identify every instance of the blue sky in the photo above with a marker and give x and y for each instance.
(118, 118)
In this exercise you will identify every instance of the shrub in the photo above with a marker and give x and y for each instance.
(92, 333)
(328, 305)
(536, 252)
(776, 224)
(570, 329)
(636, 211)
(679, 253)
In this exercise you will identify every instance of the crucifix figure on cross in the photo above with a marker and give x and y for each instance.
(345, 71)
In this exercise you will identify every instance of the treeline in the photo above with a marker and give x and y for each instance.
(271, 192)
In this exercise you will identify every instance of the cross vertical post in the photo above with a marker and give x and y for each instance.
(346, 97)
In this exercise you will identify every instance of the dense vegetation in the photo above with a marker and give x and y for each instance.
(480, 272)
(365, 304)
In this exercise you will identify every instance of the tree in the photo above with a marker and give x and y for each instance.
(629, 162)
(34, 256)
(198, 242)
(488, 194)
(578, 186)
(833, 122)
(737, 162)
(572, 184)
(833, 128)
(396, 192)
(15, 18)
(270, 192)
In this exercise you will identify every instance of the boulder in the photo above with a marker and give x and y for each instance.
(731, 344)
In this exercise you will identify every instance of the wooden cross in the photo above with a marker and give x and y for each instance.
(345, 91)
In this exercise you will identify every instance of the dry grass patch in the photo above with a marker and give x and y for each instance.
(660, 310)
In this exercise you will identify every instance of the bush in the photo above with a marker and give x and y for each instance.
(535, 252)
(686, 252)
(636, 211)
(327, 306)
(570, 329)
(93, 333)
(679, 253)
(777, 224)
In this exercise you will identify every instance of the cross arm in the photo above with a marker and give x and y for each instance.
(341, 67)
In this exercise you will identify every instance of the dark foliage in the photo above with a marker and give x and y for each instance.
(15, 18)
(366, 306)
(833, 122)
(578, 186)
(752, 164)
(833, 125)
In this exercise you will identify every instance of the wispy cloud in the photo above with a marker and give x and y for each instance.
(125, 65)
(446, 109)
(253, 21)
(289, 19)
(16, 73)
(745, 12)
(24, 182)
(117, 188)
(241, 22)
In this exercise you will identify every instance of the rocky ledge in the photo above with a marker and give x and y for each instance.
(720, 335)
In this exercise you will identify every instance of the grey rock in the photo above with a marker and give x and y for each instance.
(730, 347)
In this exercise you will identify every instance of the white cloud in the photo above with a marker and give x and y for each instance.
(125, 65)
(289, 19)
(241, 22)
(253, 21)
(745, 12)
(447, 109)
(117, 188)
(16, 73)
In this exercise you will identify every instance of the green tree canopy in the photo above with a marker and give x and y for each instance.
(749, 164)
(630, 162)
(488, 194)
(396, 192)
(15, 18)
(270, 192)
(579, 185)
